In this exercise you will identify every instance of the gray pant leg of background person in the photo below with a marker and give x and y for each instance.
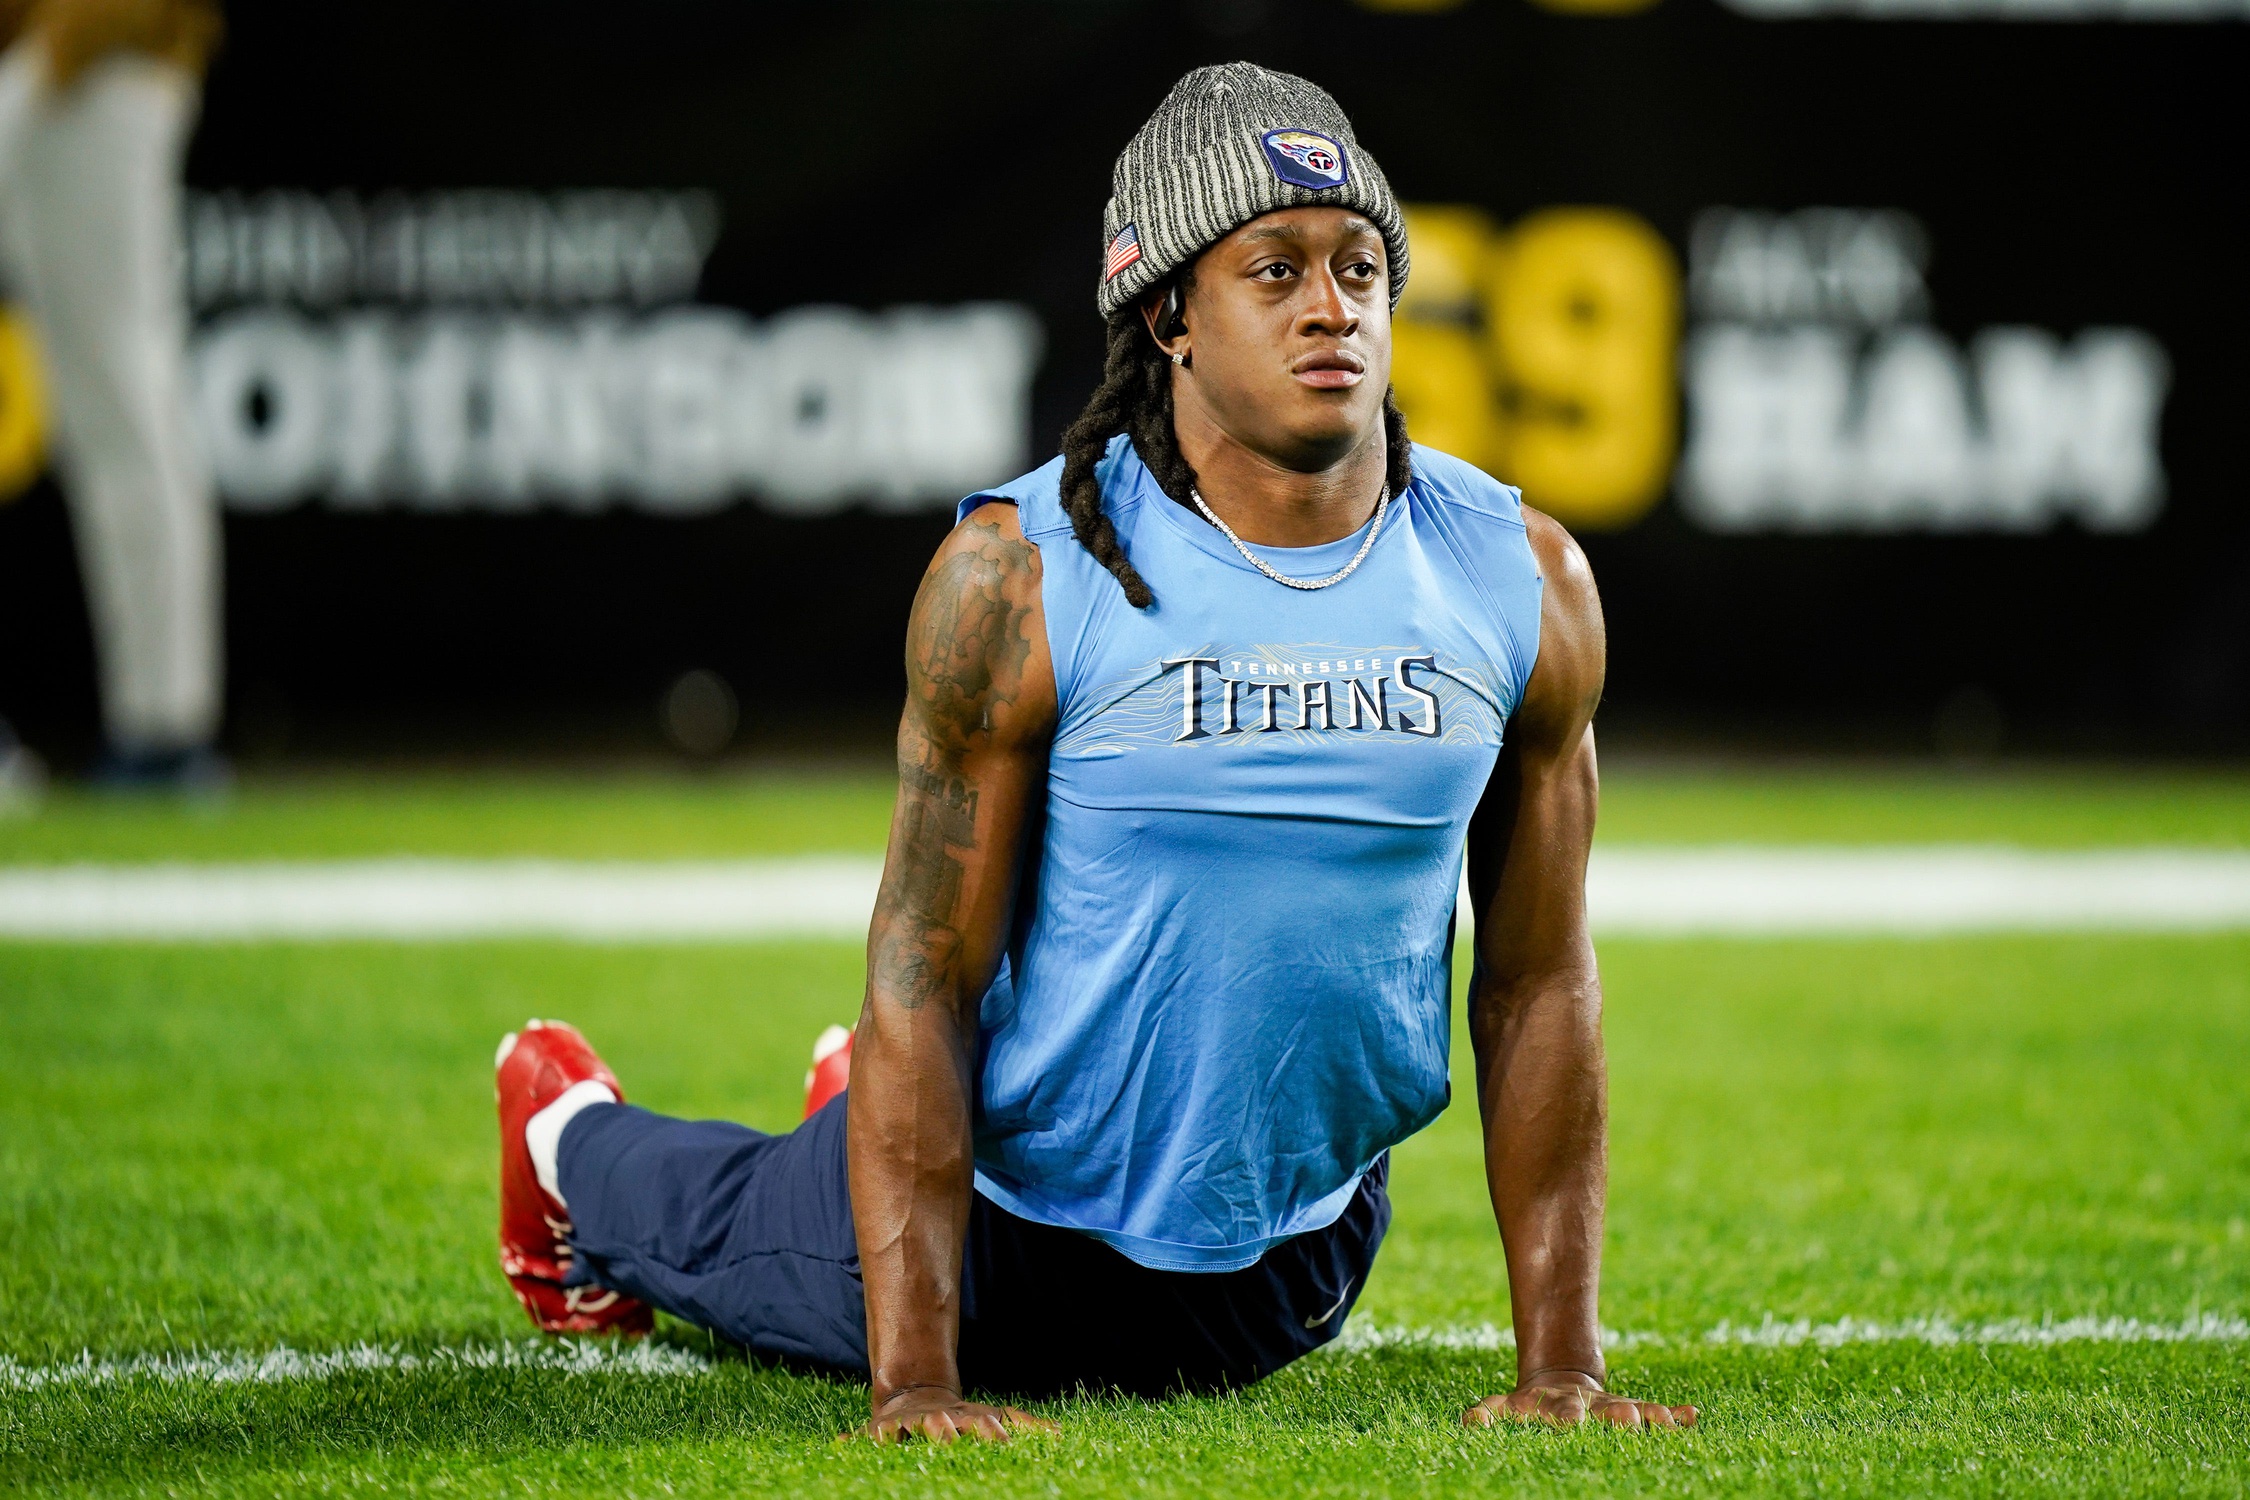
(23, 88)
(89, 206)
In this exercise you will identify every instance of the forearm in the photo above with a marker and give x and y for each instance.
(909, 1127)
(910, 1184)
(1542, 1091)
(931, 951)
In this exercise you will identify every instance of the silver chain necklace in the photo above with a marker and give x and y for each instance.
(1382, 503)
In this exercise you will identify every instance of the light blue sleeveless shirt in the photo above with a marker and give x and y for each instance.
(1227, 990)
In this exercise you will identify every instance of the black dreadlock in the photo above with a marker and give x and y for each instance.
(1135, 397)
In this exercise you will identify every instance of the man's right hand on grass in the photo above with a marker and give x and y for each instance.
(1565, 1398)
(940, 1416)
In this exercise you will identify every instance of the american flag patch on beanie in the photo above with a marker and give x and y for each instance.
(1123, 251)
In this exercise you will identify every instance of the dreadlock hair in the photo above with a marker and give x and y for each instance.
(1135, 398)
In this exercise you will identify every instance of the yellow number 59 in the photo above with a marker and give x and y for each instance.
(1568, 386)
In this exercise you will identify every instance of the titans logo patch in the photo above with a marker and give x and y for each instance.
(1305, 158)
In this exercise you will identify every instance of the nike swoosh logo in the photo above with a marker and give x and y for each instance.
(1322, 1319)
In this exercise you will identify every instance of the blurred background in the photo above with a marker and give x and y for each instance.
(595, 381)
(570, 398)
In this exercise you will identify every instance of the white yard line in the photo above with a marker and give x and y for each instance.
(592, 901)
(1772, 1333)
(670, 1361)
(1745, 891)
(1913, 890)
(274, 1366)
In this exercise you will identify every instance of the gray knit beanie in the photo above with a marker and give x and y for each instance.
(1227, 144)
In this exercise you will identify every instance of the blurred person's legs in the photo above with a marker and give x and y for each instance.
(23, 90)
(22, 83)
(89, 205)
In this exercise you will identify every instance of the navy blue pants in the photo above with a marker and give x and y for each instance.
(750, 1235)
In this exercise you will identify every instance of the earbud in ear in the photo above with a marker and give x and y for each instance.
(1172, 322)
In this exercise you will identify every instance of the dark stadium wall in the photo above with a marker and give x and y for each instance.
(2009, 253)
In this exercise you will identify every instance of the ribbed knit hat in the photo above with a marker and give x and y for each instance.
(1227, 144)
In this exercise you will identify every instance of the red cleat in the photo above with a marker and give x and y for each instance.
(831, 1069)
(535, 1065)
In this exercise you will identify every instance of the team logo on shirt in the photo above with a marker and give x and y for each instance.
(1222, 695)
(1305, 158)
(1254, 703)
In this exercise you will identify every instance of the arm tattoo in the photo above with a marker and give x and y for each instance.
(967, 644)
(967, 648)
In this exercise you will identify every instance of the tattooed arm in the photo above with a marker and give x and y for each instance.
(972, 754)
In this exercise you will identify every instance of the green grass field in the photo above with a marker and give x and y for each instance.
(805, 811)
(224, 1150)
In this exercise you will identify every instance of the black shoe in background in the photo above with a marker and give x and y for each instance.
(23, 775)
(187, 771)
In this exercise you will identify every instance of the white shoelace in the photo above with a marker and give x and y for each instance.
(1382, 504)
